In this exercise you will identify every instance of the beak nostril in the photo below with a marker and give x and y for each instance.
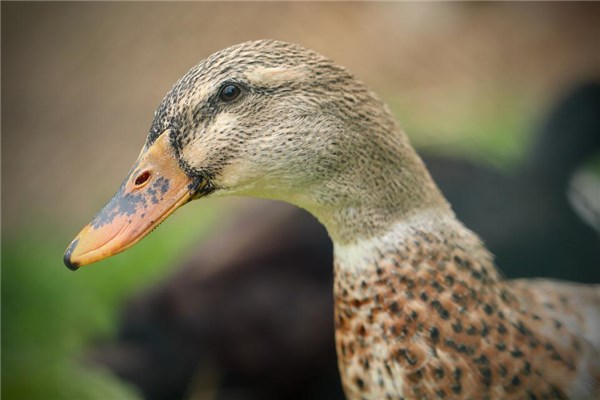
(142, 178)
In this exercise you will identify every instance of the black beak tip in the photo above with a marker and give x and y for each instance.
(73, 266)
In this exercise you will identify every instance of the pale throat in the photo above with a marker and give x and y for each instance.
(359, 256)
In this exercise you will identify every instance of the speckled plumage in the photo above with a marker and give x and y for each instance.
(431, 318)
(421, 311)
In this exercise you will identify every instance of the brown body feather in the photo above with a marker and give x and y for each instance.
(431, 318)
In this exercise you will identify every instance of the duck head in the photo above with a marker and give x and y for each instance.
(265, 119)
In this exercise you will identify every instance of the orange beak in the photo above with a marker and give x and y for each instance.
(155, 188)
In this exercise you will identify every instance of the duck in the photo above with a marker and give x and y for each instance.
(279, 252)
(420, 309)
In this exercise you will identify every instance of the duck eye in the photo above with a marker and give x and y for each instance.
(230, 93)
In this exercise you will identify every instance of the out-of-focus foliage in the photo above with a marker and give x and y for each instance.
(50, 314)
(497, 135)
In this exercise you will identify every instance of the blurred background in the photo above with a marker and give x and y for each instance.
(502, 98)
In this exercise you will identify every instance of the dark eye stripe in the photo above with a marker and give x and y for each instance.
(229, 92)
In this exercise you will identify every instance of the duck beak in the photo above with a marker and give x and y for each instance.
(155, 187)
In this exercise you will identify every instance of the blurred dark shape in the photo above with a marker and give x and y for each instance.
(253, 306)
(254, 303)
(525, 218)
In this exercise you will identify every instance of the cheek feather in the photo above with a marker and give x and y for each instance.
(195, 155)
(222, 126)
(235, 177)
(212, 145)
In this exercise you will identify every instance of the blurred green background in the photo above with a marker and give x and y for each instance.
(80, 83)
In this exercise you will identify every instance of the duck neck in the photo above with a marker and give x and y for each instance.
(383, 182)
